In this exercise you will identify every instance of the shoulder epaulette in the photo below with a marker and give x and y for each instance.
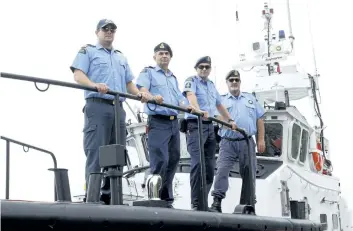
(117, 51)
(247, 94)
(145, 69)
(83, 49)
(254, 94)
(191, 78)
(250, 96)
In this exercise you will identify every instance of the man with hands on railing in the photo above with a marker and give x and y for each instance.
(202, 94)
(163, 128)
(104, 68)
(247, 113)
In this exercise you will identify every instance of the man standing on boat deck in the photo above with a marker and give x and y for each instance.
(247, 113)
(163, 127)
(203, 95)
(104, 68)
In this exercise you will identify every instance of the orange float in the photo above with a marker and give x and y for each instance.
(318, 158)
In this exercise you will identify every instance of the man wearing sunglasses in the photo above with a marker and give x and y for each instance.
(104, 68)
(247, 113)
(203, 95)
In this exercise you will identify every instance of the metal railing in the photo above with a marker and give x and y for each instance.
(115, 171)
(28, 146)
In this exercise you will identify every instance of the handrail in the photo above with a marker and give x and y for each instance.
(110, 92)
(115, 170)
(32, 147)
(8, 141)
(310, 182)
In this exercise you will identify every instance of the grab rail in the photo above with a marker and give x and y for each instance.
(8, 141)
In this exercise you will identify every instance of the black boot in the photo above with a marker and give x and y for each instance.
(105, 199)
(194, 206)
(216, 205)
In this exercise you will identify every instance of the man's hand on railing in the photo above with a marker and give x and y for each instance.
(144, 97)
(101, 87)
(158, 99)
(234, 126)
(205, 114)
(191, 109)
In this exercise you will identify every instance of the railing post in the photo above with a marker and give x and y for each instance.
(116, 182)
(7, 196)
(94, 185)
(62, 184)
(203, 197)
(113, 158)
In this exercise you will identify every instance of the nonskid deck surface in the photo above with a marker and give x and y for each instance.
(24, 215)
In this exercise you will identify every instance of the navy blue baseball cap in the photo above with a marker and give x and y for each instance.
(104, 22)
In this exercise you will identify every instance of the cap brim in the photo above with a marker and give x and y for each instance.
(106, 24)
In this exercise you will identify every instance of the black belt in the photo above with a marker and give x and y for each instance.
(203, 121)
(237, 139)
(165, 117)
(101, 100)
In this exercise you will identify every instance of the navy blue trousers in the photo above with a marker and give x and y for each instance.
(209, 143)
(99, 130)
(164, 152)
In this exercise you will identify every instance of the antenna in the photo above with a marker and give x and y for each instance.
(291, 37)
(267, 14)
(238, 30)
(312, 41)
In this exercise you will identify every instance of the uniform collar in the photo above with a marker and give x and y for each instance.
(201, 79)
(99, 46)
(229, 95)
(158, 68)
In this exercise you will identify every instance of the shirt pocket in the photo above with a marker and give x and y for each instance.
(228, 105)
(122, 67)
(121, 70)
(101, 64)
(203, 96)
(251, 109)
(158, 86)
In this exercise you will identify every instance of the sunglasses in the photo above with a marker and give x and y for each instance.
(201, 67)
(234, 79)
(106, 29)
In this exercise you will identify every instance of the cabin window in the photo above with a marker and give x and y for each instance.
(335, 221)
(273, 139)
(323, 221)
(304, 145)
(296, 131)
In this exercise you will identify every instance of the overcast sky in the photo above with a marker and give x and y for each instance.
(41, 38)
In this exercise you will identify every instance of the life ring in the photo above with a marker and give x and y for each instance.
(318, 160)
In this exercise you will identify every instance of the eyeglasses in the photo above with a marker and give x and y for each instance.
(201, 67)
(106, 29)
(234, 79)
